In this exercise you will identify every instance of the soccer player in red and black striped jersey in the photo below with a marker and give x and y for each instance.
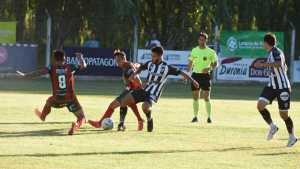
(63, 88)
(128, 69)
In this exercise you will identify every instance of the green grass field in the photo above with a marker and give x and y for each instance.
(236, 139)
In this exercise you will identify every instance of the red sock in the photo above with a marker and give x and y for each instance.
(136, 112)
(80, 121)
(46, 111)
(107, 114)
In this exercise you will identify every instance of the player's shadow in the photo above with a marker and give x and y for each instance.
(49, 133)
(135, 152)
(39, 133)
(32, 123)
(278, 154)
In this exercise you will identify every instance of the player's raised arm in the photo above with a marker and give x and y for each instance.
(33, 74)
(82, 62)
(141, 68)
(175, 71)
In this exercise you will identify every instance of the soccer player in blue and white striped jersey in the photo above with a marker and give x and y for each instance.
(158, 72)
(278, 87)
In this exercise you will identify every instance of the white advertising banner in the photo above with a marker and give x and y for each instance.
(241, 69)
(173, 57)
(297, 71)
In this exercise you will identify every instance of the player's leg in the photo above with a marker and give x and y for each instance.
(206, 88)
(206, 97)
(266, 97)
(133, 97)
(123, 113)
(137, 114)
(196, 96)
(46, 109)
(147, 105)
(283, 99)
(289, 126)
(107, 114)
(75, 107)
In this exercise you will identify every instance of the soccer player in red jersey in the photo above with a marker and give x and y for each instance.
(63, 88)
(128, 69)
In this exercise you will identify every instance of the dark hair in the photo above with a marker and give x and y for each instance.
(203, 34)
(270, 39)
(59, 55)
(158, 49)
(119, 52)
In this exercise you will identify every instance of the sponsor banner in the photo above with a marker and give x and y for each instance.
(7, 32)
(247, 44)
(100, 62)
(18, 57)
(176, 58)
(297, 71)
(241, 69)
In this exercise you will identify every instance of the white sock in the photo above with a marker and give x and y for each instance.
(272, 125)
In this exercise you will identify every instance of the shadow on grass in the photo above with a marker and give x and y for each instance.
(33, 123)
(278, 154)
(136, 152)
(50, 132)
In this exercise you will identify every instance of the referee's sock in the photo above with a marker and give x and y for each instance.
(266, 116)
(208, 108)
(196, 107)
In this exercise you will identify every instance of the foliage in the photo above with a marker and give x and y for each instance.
(177, 22)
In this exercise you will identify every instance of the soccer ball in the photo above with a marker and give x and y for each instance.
(107, 124)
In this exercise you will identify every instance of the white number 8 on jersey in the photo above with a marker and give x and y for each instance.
(62, 81)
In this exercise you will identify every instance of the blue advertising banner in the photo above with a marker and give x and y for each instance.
(100, 62)
(18, 57)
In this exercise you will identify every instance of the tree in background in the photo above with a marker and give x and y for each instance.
(176, 22)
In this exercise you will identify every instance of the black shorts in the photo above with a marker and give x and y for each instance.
(72, 105)
(124, 93)
(203, 80)
(140, 95)
(282, 95)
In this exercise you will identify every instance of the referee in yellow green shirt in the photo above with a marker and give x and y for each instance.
(202, 61)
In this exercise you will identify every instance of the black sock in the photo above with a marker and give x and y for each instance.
(123, 112)
(289, 125)
(148, 115)
(266, 116)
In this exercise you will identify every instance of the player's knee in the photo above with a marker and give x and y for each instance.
(284, 115)
(207, 99)
(114, 104)
(146, 108)
(48, 103)
(260, 106)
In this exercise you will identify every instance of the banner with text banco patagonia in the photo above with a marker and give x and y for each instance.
(100, 61)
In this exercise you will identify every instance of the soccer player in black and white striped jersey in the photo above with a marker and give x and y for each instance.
(278, 87)
(158, 71)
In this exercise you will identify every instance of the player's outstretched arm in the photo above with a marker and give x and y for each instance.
(263, 64)
(82, 62)
(33, 74)
(138, 71)
(187, 76)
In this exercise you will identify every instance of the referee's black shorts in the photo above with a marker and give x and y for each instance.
(204, 81)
